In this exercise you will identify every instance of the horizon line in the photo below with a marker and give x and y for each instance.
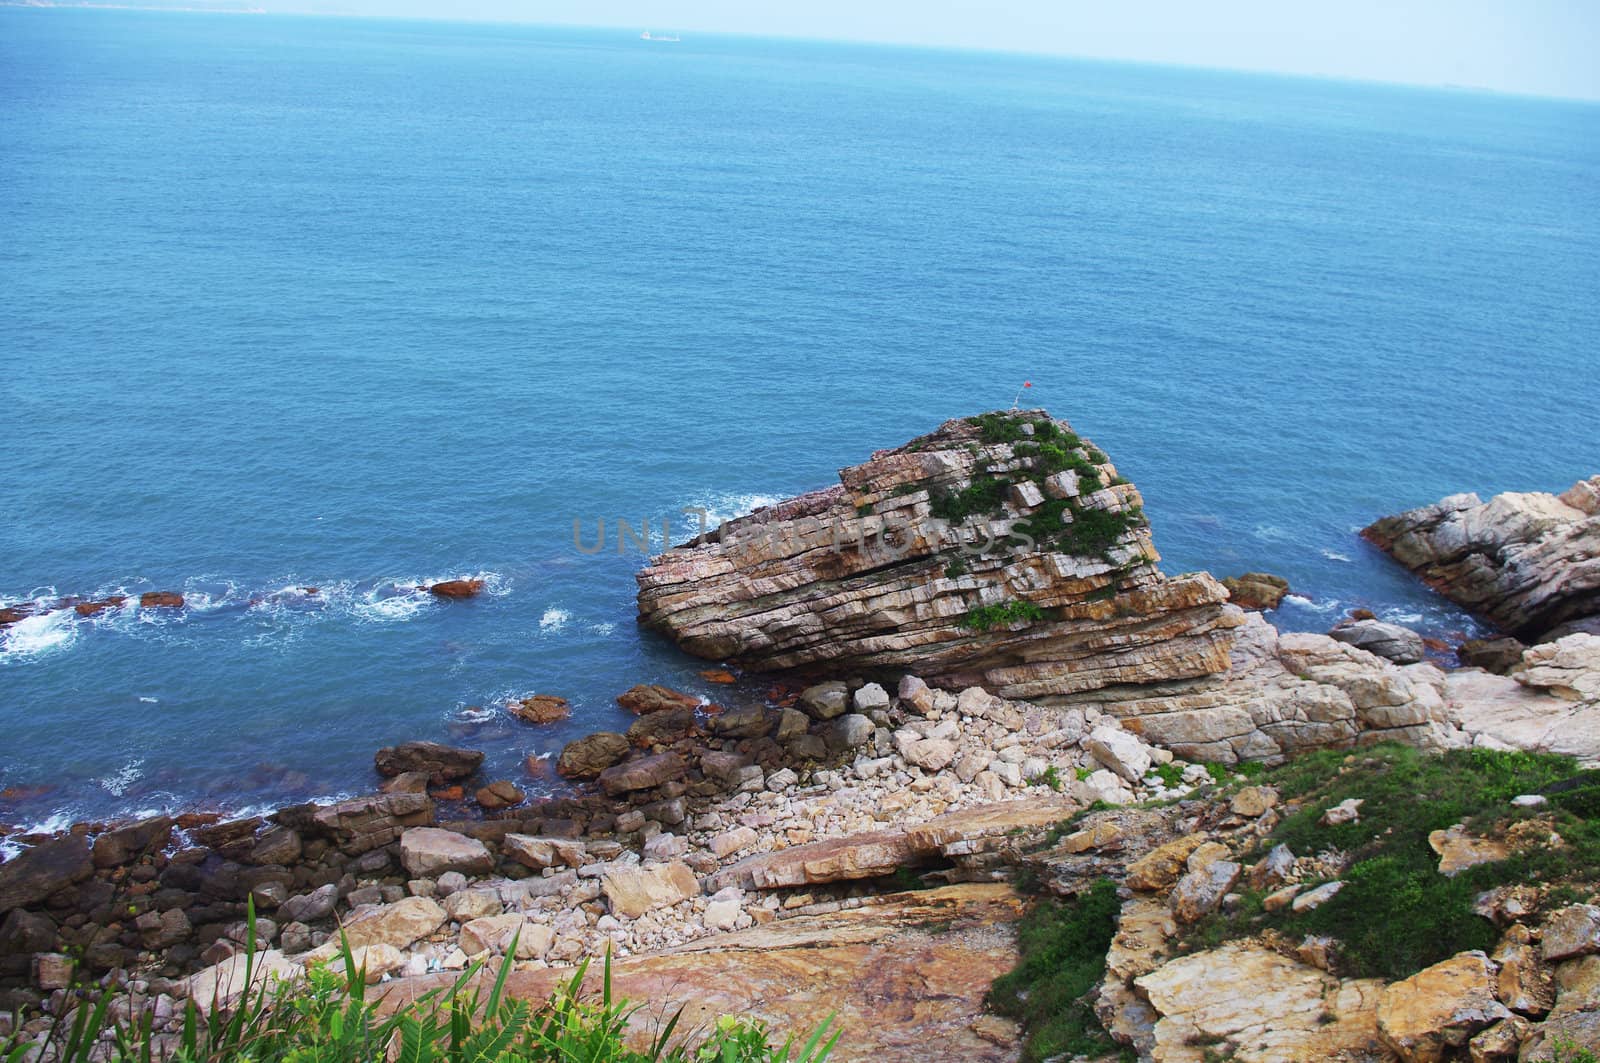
(1434, 86)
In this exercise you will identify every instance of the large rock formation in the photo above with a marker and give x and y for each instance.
(1000, 550)
(1528, 562)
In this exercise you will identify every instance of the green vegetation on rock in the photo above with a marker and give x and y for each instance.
(329, 1019)
(1000, 614)
(1063, 946)
(1397, 913)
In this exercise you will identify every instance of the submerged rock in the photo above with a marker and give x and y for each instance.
(933, 557)
(457, 588)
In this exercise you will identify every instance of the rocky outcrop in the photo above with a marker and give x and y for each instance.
(1256, 590)
(1285, 692)
(1549, 703)
(1389, 641)
(1001, 550)
(1528, 562)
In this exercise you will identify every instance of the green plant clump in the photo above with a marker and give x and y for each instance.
(956, 569)
(328, 1019)
(984, 495)
(1063, 947)
(1396, 913)
(1000, 614)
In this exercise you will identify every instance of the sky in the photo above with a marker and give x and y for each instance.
(1540, 47)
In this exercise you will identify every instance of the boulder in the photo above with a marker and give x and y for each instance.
(632, 892)
(1160, 868)
(587, 757)
(649, 697)
(1256, 590)
(227, 981)
(825, 700)
(642, 773)
(856, 856)
(161, 600)
(1524, 561)
(851, 731)
(661, 728)
(1459, 850)
(41, 871)
(367, 823)
(1391, 641)
(126, 844)
(1571, 932)
(1492, 655)
(502, 793)
(1119, 751)
(310, 907)
(540, 709)
(540, 853)
(401, 925)
(428, 852)
(1426, 1017)
(750, 722)
(441, 762)
(1200, 892)
(870, 697)
(457, 588)
(1256, 1006)
(496, 933)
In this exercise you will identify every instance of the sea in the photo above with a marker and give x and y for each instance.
(359, 305)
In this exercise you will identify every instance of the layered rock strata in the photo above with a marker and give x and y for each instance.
(1001, 551)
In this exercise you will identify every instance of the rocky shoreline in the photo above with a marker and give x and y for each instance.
(1065, 672)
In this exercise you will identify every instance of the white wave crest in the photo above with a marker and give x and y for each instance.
(720, 508)
(117, 782)
(553, 620)
(1332, 555)
(34, 636)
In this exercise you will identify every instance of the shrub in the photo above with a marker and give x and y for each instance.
(984, 495)
(1063, 947)
(956, 569)
(998, 427)
(1000, 614)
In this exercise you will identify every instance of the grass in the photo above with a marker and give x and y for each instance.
(328, 1019)
(1063, 946)
(984, 495)
(1001, 614)
(1396, 913)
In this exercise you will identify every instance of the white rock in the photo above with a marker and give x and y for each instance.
(872, 696)
(1119, 751)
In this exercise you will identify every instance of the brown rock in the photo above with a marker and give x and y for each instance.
(42, 870)
(832, 860)
(441, 762)
(1160, 868)
(428, 852)
(499, 794)
(589, 756)
(1436, 1010)
(1256, 590)
(540, 708)
(92, 608)
(642, 773)
(1572, 931)
(457, 588)
(894, 974)
(161, 600)
(661, 728)
(650, 697)
(718, 675)
(1459, 850)
(1522, 560)
(634, 891)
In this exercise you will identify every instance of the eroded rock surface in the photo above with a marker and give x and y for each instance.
(1527, 561)
(871, 573)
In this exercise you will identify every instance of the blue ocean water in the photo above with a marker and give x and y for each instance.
(364, 304)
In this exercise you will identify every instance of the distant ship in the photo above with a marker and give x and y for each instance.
(648, 36)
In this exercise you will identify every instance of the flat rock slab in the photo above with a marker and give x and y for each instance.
(906, 977)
